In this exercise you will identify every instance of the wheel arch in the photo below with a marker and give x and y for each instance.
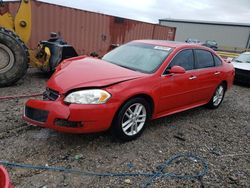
(224, 82)
(147, 97)
(116, 130)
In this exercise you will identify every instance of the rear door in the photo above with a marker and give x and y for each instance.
(208, 73)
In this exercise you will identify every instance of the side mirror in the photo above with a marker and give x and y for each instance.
(177, 70)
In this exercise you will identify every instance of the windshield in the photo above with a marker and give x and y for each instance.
(140, 57)
(243, 58)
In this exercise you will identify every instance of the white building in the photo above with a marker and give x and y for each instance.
(228, 35)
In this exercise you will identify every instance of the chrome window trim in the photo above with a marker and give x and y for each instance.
(195, 68)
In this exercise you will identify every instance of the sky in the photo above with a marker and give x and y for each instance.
(237, 11)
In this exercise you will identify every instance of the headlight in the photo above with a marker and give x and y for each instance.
(92, 96)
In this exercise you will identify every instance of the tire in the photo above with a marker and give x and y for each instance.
(217, 97)
(128, 124)
(14, 58)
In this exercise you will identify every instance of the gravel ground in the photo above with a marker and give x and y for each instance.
(221, 137)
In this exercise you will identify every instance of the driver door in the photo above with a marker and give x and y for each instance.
(177, 91)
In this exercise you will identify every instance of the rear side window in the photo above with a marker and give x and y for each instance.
(204, 59)
(184, 59)
(217, 61)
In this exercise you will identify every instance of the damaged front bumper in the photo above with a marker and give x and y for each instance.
(73, 118)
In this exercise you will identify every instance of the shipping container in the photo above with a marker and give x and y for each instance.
(88, 31)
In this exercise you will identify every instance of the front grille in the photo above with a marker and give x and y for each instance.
(50, 95)
(240, 72)
(36, 114)
(242, 76)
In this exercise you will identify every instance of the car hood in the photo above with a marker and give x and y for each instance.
(243, 66)
(89, 72)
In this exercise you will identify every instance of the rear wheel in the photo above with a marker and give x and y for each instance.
(14, 58)
(131, 119)
(218, 97)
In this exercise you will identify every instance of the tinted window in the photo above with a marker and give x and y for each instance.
(217, 61)
(203, 59)
(184, 59)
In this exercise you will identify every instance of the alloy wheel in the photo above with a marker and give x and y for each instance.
(134, 119)
(218, 96)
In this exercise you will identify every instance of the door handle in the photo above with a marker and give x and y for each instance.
(192, 77)
(217, 73)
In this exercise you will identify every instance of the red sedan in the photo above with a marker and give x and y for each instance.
(130, 85)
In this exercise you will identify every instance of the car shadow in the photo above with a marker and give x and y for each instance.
(106, 137)
(181, 115)
(243, 84)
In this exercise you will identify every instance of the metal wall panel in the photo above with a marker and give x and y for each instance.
(232, 36)
(88, 31)
(160, 31)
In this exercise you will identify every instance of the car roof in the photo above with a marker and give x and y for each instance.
(171, 44)
(191, 39)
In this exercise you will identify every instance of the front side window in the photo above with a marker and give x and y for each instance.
(184, 59)
(204, 59)
(140, 57)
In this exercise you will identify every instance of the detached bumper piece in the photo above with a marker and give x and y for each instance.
(36, 114)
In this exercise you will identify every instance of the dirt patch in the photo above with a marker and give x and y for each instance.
(221, 137)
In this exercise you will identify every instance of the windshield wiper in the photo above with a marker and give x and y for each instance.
(130, 68)
(127, 67)
(120, 65)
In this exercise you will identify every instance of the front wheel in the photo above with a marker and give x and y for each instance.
(218, 97)
(130, 120)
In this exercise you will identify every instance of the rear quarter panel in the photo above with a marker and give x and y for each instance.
(228, 74)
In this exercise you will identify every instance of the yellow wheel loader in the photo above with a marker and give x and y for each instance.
(15, 57)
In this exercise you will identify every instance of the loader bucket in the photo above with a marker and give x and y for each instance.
(4, 178)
